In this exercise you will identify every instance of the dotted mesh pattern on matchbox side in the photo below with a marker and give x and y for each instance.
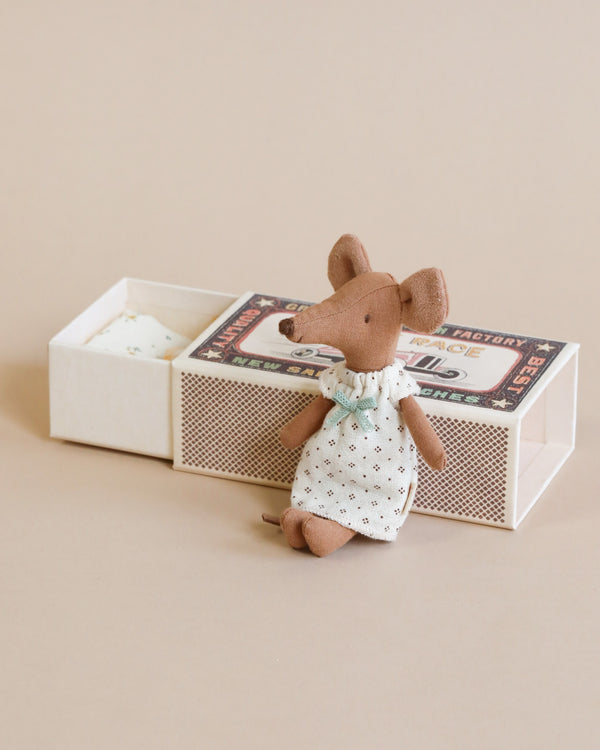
(233, 427)
(473, 485)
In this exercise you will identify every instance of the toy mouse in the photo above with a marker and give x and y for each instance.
(358, 470)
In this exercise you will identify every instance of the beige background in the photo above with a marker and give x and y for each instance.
(227, 146)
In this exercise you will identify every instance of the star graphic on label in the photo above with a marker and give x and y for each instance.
(212, 354)
(544, 347)
(262, 302)
(501, 404)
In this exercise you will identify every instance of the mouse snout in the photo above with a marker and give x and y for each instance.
(286, 326)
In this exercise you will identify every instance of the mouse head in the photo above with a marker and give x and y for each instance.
(364, 316)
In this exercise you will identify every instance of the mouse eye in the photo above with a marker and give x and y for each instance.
(367, 318)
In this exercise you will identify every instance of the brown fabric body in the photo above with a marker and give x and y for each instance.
(428, 443)
(324, 536)
(291, 523)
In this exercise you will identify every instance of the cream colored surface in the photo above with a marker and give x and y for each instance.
(227, 146)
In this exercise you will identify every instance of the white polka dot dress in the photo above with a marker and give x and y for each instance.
(360, 468)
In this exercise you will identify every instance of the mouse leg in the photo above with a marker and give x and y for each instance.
(291, 524)
(324, 536)
(291, 521)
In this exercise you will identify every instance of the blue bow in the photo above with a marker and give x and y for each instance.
(355, 407)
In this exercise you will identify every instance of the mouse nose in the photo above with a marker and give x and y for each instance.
(286, 326)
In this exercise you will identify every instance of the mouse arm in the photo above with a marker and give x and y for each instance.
(305, 424)
(428, 443)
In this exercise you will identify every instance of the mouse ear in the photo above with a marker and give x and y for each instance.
(424, 300)
(347, 259)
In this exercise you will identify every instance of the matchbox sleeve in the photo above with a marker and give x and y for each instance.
(458, 364)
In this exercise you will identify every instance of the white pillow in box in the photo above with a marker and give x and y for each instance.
(139, 335)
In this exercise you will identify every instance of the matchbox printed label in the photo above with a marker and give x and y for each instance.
(459, 364)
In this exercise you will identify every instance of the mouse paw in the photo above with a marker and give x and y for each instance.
(324, 536)
(291, 524)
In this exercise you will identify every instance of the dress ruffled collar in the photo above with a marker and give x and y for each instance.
(367, 383)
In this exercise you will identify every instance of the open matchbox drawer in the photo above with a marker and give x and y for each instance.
(115, 400)
(504, 405)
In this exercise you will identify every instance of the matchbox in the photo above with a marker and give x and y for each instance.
(504, 405)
